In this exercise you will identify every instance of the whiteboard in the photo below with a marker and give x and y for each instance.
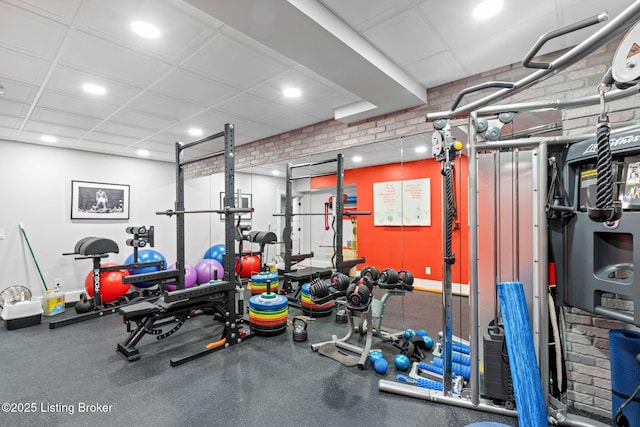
(402, 203)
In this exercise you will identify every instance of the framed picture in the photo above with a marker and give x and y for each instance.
(244, 202)
(97, 200)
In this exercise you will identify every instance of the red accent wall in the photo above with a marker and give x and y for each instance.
(409, 248)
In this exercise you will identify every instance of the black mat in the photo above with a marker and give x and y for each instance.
(263, 381)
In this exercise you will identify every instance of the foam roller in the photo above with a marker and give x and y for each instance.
(420, 382)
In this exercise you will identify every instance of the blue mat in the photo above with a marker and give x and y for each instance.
(527, 385)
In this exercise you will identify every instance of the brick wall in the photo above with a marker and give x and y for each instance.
(587, 343)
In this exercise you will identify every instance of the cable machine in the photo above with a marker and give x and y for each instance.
(538, 147)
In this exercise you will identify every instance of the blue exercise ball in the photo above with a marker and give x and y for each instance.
(216, 252)
(146, 255)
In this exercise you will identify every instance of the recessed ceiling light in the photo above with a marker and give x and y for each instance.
(94, 89)
(356, 159)
(195, 131)
(421, 149)
(145, 29)
(48, 138)
(487, 9)
(275, 172)
(291, 92)
(143, 153)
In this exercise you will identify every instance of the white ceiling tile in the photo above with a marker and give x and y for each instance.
(180, 32)
(246, 105)
(255, 129)
(8, 133)
(63, 118)
(69, 80)
(22, 68)
(75, 104)
(211, 121)
(437, 69)
(453, 22)
(13, 109)
(54, 129)
(18, 91)
(29, 136)
(404, 37)
(114, 128)
(99, 146)
(102, 58)
(61, 11)
(232, 63)
(164, 106)
(189, 87)
(10, 122)
(111, 139)
(30, 33)
(272, 88)
(137, 118)
(358, 12)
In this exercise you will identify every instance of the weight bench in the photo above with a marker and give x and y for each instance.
(173, 308)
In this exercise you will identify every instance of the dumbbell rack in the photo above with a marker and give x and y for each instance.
(334, 347)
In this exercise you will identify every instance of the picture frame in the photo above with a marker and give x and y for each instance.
(245, 202)
(99, 200)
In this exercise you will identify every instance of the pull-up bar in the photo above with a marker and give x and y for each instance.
(320, 162)
(345, 213)
(170, 212)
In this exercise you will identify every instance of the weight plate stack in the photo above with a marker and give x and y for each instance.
(268, 314)
(259, 282)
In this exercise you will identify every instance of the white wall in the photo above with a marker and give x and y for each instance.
(36, 191)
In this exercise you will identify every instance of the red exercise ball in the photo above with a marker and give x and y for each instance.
(250, 265)
(111, 286)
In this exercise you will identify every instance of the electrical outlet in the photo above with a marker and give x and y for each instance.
(427, 270)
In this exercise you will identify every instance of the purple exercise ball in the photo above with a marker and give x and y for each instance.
(206, 270)
(190, 276)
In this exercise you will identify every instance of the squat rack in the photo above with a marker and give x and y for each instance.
(540, 145)
(232, 322)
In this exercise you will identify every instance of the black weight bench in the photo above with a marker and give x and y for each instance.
(173, 308)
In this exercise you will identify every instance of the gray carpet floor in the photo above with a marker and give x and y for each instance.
(72, 376)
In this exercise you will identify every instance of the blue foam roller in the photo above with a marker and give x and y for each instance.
(457, 368)
(461, 347)
(624, 345)
(525, 374)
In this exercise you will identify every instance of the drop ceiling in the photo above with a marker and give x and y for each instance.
(221, 61)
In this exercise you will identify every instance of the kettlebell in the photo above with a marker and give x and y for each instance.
(299, 329)
(84, 304)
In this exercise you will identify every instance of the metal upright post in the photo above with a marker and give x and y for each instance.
(179, 207)
(288, 214)
(229, 202)
(339, 211)
(473, 260)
